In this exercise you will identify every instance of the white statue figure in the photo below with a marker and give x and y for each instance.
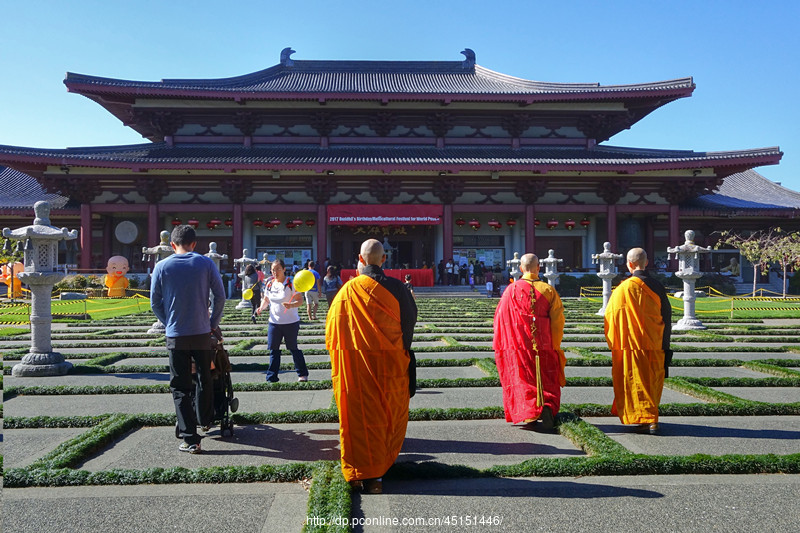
(242, 262)
(213, 255)
(513, 264)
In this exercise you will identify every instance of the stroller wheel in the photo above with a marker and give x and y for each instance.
(226, 426)
(234, 403)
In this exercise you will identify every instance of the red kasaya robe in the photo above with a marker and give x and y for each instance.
(634, 328)
(369, 368)
(514, 353)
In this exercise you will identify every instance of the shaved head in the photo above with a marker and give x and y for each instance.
(638, 257)
(372, 252)
(529, 263)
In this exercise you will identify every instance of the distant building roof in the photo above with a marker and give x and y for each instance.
(21, 191)
(747, 191)
(376, 77)
(159, 155)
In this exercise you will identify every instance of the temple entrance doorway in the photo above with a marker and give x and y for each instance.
(406, 246)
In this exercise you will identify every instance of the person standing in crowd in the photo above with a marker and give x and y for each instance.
(250, 280)
(179, 292)
(312, 294)
(331, 285)
(528, 328)
(450, 267)
(440, 271)
(368, 335)
(284, 322)
(410, 286)
(638, 326)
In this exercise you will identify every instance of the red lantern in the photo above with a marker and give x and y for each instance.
(275, 221)
(176, 221)
(210, 225)
(258, 222)
(474, 224)
(585, 222)
(493, 223)
(229, 222)
(460, 222)
(511, 222)
(536, 222)
(290, 225)
(569, 224)
(193, 222)
(310, 222)
(215, 221)
(552, 223)
(297, 222)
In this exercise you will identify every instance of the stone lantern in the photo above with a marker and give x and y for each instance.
(159, 252)
(40, 274)
(688, 256)
(243, 262)
(213, 255)
(607, 271)
(551, 272)
(513, 264)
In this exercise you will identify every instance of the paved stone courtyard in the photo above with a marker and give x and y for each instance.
(452, 338)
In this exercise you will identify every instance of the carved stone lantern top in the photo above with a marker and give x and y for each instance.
(41, 240)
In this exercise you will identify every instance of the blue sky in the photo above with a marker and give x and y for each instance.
(744, 57)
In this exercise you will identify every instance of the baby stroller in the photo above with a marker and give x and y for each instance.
(222, 387)
(224, 401)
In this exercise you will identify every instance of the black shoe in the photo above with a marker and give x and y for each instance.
(253, 319)
(654, 429)
(548, 421)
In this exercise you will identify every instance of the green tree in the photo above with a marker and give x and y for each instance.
(784, 249)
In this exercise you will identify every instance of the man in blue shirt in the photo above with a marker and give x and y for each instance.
(179, 296)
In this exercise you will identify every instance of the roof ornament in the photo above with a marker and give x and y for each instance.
(469, 62)
(286, 59)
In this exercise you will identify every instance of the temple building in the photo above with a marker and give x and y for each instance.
(438, 159)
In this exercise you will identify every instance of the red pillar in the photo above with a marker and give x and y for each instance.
(649, 241)
(322, 237)
(674, 234)
(611, 225)
(86, 236)
(238, 237)
(530, 229)
(153, 231)
(447, 232)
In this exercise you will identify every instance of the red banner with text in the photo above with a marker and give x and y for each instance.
(384, 215)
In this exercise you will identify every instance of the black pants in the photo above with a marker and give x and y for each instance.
(255, 301)
(180, 384)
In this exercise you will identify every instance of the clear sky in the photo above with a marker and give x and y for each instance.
(744, 57)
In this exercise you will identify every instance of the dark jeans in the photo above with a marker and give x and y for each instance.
(255, 301)
(180, 383)
(288, 333)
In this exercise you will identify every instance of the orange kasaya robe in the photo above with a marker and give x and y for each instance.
(634, 328)
(513, 346)
(8, 275)
(116, 285)
(369, 368)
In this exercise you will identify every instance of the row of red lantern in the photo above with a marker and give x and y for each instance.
(258, 222)
(496, 225)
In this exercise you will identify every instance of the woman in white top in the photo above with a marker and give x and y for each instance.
(284, 322)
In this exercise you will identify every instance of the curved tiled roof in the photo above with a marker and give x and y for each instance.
(356, 156)
(379, 77)
(20, 191)
(748, 190)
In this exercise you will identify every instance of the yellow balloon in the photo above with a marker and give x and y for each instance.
(304, 281)
(247, 294)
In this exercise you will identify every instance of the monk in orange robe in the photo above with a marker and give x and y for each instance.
(368, 335)
(638, 327)
(528, 328)
(115, 280)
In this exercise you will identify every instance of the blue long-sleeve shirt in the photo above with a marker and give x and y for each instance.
(179, 294)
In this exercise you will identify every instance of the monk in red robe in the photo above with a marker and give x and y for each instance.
(528, 328)
(638, 327)
(368, 335)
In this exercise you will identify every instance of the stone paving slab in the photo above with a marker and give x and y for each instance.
(764, 394)
(250, 402)
(687, 503)
(21, 447)
(157, 378)
(742, 356)
(229, 508)
(675, 371)
(714, 435)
